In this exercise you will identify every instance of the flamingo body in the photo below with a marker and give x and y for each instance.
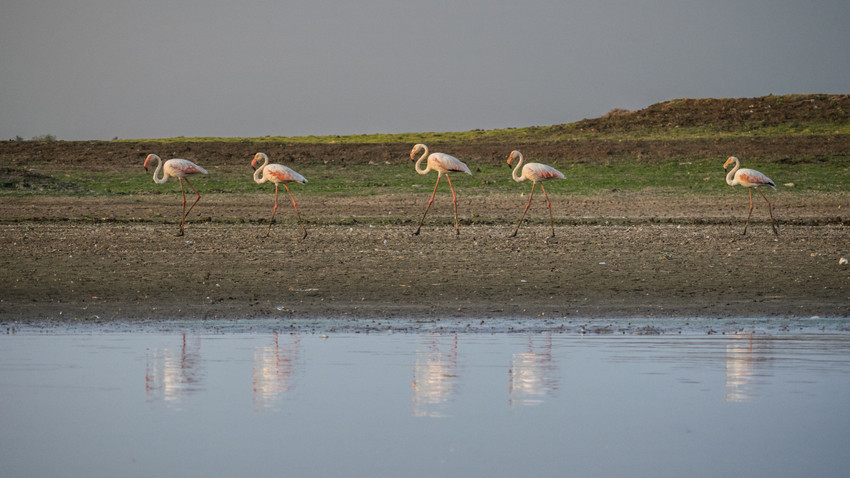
(536, 173)
(277, 174)
(750, 179)
(180, 169)
(442, 163)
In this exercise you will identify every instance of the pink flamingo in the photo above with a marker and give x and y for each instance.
(443, 164)
(750, 179)
(180, 169)
(536, 173)
(278, 174)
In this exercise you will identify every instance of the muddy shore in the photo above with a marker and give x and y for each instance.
(637, 266)
(617, 254)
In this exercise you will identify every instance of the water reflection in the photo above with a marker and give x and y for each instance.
(303, 405)
(435, 377)
(172, 373)
(533, 374)
(274, 371)
(745, 358)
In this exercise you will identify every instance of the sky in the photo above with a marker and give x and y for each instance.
(130, 69)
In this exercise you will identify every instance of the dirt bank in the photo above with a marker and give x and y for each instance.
(89, 269)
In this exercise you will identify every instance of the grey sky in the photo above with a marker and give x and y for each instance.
(98, 69)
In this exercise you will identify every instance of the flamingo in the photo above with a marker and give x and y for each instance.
(180, 169)
(443, 164)
(750, 179)
(278, 174)
(536, 173)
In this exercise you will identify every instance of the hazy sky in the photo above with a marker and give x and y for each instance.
(99, 69)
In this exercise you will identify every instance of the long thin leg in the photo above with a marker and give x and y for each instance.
(454, 201)
(549, 205)
(296, 211)
(183, 214)
(429, 205)
(531, 195)
(750, 190)
(770, 209)
(274, 211)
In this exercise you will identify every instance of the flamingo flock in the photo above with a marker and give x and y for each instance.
(443, 164)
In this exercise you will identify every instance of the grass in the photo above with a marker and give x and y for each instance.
(532, 134)
(675, 176)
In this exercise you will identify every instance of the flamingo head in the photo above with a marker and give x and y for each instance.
(514, 155)
(257, 158)
(731, 160)
(416, 150)
(151, 158)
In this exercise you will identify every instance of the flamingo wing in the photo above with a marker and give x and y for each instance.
(182, 168)
(445, 163)
(750, 178)
(541, 172)
(282, 174)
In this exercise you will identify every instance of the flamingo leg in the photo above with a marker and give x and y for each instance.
(770, 209)
(549, 205)
(750, 190)
(274, 211)
(429, 205)
(454, 201)
(198, 198)
(296, 210)
(531, 195)
(183, 214)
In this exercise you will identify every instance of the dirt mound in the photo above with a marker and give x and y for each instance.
(725, 113)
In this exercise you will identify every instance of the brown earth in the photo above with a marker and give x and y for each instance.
(617, 254)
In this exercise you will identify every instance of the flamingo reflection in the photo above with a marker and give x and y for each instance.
(744, 359)
(274, 370)
(531, 376)
(434, 377)
(171, 373)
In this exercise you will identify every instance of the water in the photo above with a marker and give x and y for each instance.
(200, 401)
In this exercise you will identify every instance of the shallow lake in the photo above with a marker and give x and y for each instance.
(217, 400)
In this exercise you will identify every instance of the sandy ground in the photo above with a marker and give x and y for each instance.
(617, 255)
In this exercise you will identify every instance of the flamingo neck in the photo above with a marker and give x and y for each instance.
(419, 162)
(730, 176)
(515, 173)
(258, 173)
(157, 170)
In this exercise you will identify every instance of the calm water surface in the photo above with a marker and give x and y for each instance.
(198, 402)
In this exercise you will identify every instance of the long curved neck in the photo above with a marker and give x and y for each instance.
(157, 170)
(515, 173)
(730, 176)
(258, 173)
(419, 162)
